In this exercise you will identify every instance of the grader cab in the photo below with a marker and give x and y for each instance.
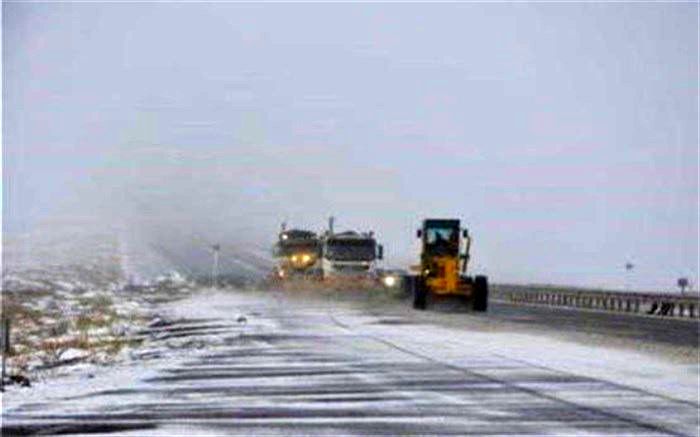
(443, 266)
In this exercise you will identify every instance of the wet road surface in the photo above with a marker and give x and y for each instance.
(270, 364)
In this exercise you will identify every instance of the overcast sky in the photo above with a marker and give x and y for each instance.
(565, 135)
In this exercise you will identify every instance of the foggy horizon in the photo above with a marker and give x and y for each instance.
(564, 136)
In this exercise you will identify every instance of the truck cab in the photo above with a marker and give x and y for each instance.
(350, 254)
(297, 253)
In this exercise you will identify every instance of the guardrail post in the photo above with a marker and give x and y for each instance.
(5, 345)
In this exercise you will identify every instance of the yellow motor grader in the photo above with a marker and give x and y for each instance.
(443, 267)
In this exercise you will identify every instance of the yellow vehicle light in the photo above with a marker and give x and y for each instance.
(306, 258)
(294, 258)
(389, 281)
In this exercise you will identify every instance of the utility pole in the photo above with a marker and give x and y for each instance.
(628, 267)
(216, 248)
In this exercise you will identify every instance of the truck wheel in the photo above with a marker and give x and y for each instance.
(420, 294)
(407, 285)
(481, 294)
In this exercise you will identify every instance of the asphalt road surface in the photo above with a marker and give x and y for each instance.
(653, 330)
(273, 363)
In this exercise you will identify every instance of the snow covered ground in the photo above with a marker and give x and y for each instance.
(76, 294)
(264, 362)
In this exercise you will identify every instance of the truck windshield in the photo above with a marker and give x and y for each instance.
(294, 247)
(351, 250)
(442, 240)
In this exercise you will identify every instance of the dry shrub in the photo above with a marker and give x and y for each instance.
(13, 309)
(59, 328)
(20, 362)
(53, 348)
(101, 302)
(86, 321)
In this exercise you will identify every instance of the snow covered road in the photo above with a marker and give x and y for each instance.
(262, 363)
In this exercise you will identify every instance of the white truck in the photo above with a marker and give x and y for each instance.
(350, 254)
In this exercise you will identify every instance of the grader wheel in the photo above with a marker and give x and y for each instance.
(481, 294)
(420, 294)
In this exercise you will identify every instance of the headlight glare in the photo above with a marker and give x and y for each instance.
(389, 281)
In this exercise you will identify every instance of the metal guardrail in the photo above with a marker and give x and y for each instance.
(634, 303)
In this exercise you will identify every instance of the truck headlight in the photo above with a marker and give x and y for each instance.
(305, 258)
(389, 281)
(294, 258)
